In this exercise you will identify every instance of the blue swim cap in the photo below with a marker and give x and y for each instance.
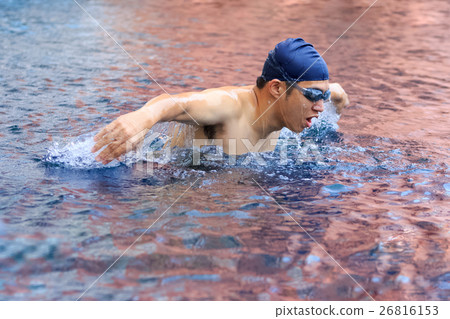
(295, 60)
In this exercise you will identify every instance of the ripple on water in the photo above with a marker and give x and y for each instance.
(337, 189)
(359, 191)
(447, 188)
(208, 242)
(25, 249)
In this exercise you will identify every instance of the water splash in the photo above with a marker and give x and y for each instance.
(77, 153)
(324, 127)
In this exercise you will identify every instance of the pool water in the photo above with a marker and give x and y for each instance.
(358, 209)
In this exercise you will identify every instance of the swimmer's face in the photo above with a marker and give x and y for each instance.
(299, 111)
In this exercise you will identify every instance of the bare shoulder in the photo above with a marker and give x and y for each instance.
(232, 95)
(215, 105)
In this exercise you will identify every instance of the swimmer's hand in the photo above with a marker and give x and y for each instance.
(121, 136)
(338, 97)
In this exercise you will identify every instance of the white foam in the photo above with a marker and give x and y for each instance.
(77, 153)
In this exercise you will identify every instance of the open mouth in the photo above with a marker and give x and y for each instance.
(309, 121)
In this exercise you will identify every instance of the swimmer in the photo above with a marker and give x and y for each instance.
(289, 93)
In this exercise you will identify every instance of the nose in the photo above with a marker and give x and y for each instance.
(318, 106)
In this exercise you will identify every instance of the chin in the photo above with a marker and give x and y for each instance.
(297, 129)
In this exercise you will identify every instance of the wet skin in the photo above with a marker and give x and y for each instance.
(237, 118)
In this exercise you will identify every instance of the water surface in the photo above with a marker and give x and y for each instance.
(373, 193)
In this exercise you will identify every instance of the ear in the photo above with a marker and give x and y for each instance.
(276, 88)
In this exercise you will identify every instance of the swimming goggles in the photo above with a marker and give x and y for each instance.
(313, 95)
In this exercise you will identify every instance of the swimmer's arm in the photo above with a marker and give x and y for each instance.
(338, 97)
(126, 132)
(208, 107)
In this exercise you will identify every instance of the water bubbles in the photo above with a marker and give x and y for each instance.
(77, 153)
(325, 126)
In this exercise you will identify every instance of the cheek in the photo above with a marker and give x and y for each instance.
(304, 104)
(302, 109)
(296, 116)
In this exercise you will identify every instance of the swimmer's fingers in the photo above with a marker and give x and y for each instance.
(128, 128)
(108, 128)
(113, 151)
(100, 139)
(106, 138)
(116, 149)
(120, 129)
(104, 155)
(116, 153)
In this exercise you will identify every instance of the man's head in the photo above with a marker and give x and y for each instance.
(295, 63)
(294, 60)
